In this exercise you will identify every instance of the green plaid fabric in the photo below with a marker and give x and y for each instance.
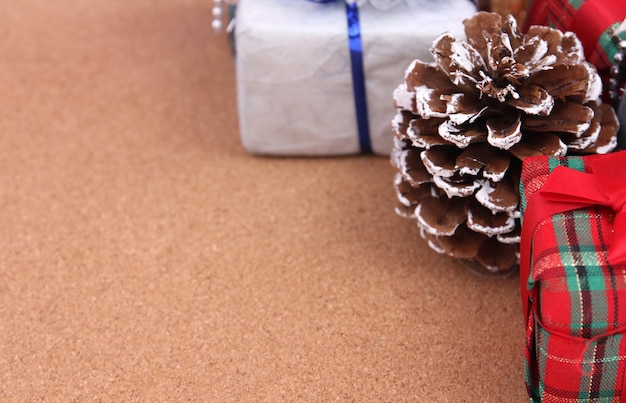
(575, 345)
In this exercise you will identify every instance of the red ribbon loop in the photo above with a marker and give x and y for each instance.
(568, 189)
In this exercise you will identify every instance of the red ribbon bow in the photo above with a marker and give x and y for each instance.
(568, 189)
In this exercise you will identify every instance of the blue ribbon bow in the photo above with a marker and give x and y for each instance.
(358, 73)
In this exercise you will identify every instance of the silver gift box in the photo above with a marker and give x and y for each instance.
(294, 71)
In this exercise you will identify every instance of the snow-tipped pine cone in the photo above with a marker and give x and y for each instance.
(465, 123)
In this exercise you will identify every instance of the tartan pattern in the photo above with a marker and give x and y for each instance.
(560, 14)
(575, 344)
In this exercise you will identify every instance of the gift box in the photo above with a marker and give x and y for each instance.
(599, 24)
(316, 78)
(573, 277)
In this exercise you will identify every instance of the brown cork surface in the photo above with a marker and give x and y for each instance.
(146, 256)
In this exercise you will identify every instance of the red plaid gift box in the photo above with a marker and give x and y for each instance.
(573, 277)
(595, 22)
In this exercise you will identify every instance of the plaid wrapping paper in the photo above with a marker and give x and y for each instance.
(595, 22)
(576, 328)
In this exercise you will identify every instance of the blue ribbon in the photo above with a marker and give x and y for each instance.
(358, 74)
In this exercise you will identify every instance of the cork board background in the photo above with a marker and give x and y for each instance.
(146, 256)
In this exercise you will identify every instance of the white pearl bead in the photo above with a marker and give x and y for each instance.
(217, 25)
(217, 11)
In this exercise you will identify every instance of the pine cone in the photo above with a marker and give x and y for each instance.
(465, 123)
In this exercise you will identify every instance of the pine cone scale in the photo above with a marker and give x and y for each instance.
(533, 100)
(566, 117)
(504, 131)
